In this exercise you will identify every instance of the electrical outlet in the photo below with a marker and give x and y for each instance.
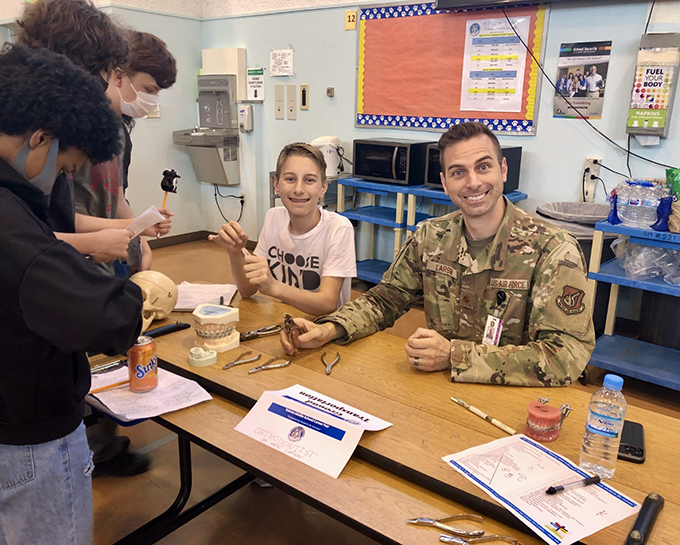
(591, 172)
(242, 196)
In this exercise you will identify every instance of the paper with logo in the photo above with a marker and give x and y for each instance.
(516, 472)
(172, 393)
(314, 429)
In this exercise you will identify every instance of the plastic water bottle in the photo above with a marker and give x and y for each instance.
(602, 435)
(649, 203)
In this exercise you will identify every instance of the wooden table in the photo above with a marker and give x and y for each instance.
(398, 473)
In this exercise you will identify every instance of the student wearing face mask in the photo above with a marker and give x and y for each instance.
(133, 92)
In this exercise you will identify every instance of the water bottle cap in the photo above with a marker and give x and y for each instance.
(613, 382)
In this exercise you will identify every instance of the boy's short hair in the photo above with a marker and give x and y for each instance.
(301, 150)
(77, 29)
(464, 132)
(42, 90)
(150, 55)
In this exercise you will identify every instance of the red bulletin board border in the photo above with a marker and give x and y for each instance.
(410, 68)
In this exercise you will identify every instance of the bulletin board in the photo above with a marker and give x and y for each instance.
(411, 60)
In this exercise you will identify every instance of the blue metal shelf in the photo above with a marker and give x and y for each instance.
(377, 187)
(646, 237)
(612, 273)
(638, 359)
(372, 270)
(379, 215)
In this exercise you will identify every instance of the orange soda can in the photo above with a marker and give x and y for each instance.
(143, 365)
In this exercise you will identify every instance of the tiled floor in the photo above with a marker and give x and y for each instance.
(253, 514)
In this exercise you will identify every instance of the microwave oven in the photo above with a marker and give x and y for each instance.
(390, 160)
(513, 156)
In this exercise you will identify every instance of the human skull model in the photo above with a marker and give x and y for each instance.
(159, 293)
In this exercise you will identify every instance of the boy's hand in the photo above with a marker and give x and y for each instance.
(112, 244)
(162, 227)
(256, 270)
(313, 335)
(231, 237)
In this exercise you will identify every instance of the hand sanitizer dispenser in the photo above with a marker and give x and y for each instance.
(245, 117)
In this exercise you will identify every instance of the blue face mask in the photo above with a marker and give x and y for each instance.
(45, 180)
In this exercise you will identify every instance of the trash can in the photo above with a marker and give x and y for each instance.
(579, 219)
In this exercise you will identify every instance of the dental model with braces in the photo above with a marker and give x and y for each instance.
(215, 327)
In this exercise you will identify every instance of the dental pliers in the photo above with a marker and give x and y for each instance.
(239, 361)
(439, 523)
(262, 332)
(266, 365)
(330, 365)
(445, 538)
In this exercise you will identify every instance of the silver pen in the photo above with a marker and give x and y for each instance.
(481, 414)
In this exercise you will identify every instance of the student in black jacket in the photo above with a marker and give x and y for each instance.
(54, 305)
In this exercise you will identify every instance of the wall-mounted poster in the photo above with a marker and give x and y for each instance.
(581, 77)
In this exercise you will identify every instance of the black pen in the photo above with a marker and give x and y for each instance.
(577, 484)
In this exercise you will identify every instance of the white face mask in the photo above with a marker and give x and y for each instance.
(140, 106)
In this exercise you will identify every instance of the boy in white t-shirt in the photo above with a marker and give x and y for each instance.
(305, 255)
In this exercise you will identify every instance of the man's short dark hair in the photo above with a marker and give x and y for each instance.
(150, 55)
(464, 132)
(77, 29)
(42, 90)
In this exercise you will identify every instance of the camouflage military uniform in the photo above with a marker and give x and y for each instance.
(547, 334)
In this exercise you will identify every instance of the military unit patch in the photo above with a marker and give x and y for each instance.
(571, 300)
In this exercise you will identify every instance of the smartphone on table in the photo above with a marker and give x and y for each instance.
(632, 446)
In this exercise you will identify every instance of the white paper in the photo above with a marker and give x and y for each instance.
(493, 65)
(293, 421)
(281, 62)
(192, 295)
(172, 393)
(151, 216)
(517, 471)
(330, 406)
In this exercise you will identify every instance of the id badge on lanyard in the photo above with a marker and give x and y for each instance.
(494, 324)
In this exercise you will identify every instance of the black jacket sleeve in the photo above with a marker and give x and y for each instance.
(69, 302)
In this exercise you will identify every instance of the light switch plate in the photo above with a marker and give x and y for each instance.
(304, 96)
(291, 102)
(279, 102)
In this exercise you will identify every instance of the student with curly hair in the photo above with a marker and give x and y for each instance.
(56, 306)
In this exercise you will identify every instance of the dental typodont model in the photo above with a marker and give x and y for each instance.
(215, 327)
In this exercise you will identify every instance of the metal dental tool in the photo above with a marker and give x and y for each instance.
(439, 523)
(266, 365)
(474, 540)
(262, 332)
(330, 365)
(239, 361)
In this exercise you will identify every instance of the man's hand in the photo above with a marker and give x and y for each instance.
(162, 227)
(231, 237)
(432, 351)
(112, 244)
(313, 335)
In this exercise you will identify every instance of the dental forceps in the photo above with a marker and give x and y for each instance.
(266, 365)
(445, 538)
(330, 365)
(439, 523)
(262, 332)
(239, 361)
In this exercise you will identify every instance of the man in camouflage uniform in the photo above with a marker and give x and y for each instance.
(489, 258)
